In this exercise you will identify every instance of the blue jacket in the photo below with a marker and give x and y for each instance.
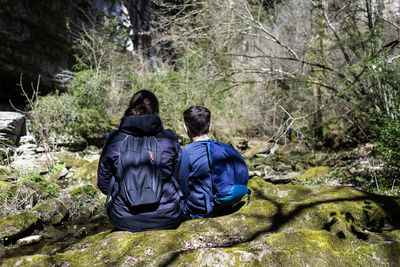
(168, 213)
(195, 180)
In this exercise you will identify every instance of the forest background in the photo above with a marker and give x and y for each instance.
(322, 71)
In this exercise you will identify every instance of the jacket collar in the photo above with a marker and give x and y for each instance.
(143, 125)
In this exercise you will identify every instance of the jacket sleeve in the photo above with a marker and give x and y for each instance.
(184, 172)
(105, 169)
(104, 174)
(177, 160)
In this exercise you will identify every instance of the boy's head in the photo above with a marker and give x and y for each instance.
(197, 120)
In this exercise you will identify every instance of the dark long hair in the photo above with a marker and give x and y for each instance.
(142, 102)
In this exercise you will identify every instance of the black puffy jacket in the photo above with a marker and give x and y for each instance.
(168, 213)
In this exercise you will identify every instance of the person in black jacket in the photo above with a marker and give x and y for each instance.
(141, 119)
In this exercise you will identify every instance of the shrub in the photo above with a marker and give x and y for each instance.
(388, 147)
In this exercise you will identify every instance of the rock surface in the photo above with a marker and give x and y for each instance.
(50, 212)
(12, 126)
(284, 225)
(29, 240)
(37, 36)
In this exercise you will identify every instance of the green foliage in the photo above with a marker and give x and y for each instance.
(83, 194)
(90, 89)
(388, 147)
(52, 189)
(79, 113)
(57, 168)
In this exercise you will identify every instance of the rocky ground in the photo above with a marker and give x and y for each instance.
(301, 214)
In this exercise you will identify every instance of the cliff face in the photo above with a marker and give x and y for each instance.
(36, 37)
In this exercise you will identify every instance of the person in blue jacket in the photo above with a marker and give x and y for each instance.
(195, 173)
(141, 119)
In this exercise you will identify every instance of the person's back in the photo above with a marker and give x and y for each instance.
(209, 188)
(138, 125)
(195, 180)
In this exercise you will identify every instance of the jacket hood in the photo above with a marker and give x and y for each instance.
(143, 125)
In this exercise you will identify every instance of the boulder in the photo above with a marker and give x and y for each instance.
(258, 147)
(12, 126)
(37, 38)
(70, 159)
(284, 225)
(70, 143)
(282, 178)
(16, 226)
(26, 163)
(88, 172)
(315, 173)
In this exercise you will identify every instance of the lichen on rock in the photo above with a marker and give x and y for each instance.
(284, 225)
(315, 172)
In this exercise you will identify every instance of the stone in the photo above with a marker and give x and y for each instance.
(26, 149)
(27, 139)
(14, 225)
(53, 234)
(29, 240)
(12, 126)
(37, 39)
(5, 174)
(70, 143)
(70, 159)
(26, 163)
(49, 212)
(258, 147)
(255, 173)
(88, 172)
(315, 172)
(282, 178)
(2, 250)
(284, 225)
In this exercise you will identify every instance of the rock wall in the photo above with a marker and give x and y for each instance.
(36, 38)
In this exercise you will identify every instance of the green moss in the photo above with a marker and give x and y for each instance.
(251, 153)
(87, 190)
(15, 224)
(5, 186)
(284, 225)
(88, 172)
(51, 188)
(258, 184)
(27, 261)
(50, 212)
(71, 160)
(4, 174)
(315, 172)
(300, 166)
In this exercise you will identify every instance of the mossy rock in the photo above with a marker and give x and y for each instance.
(71, 160)
(7, 191)
(50, 212)
(257, 147)
(284, 225)
(15, 226)
(316, 172)
(87, 190)
(5, 174)
(301, 166)
(88, 172)
(86, 199)
(6, 186)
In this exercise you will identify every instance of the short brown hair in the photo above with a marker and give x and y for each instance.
(197, 119)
